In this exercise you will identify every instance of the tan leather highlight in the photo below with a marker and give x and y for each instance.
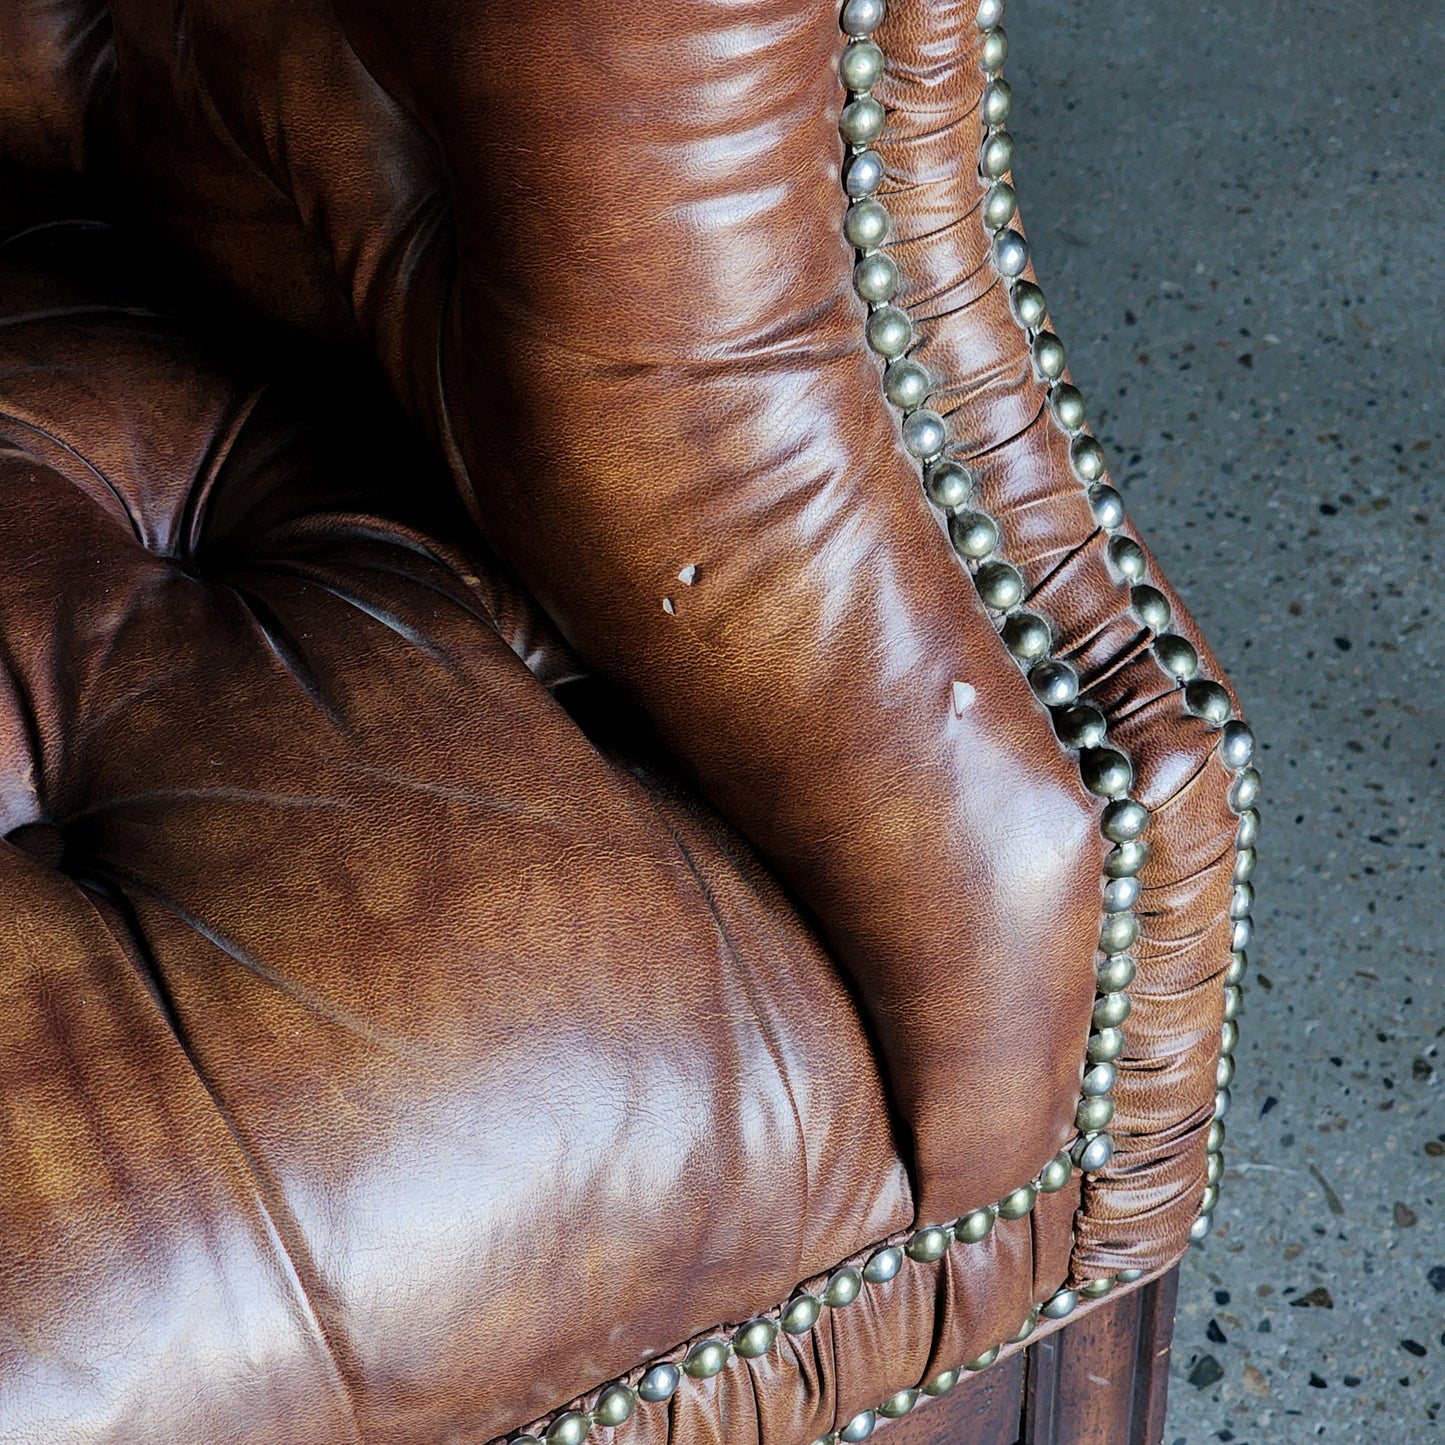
(472, 1011)
(522, 844)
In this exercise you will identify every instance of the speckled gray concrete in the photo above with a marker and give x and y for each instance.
(1236, 212)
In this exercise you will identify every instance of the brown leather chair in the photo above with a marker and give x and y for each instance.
(731, 935)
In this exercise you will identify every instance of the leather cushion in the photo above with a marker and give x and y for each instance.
(371, 1038)
(599, 257)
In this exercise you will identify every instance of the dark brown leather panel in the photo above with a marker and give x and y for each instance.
(429, 951)
(57, 65)
(217, 200)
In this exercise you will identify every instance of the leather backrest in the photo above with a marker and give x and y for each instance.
(599, 255)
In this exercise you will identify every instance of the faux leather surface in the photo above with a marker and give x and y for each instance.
(631, 390)
(379, 1057)
(496, 1023)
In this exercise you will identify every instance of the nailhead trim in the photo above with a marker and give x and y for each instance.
(1175, 656)
(1105, 771)
(1236, 751)
(617, 1402)
(978, 538)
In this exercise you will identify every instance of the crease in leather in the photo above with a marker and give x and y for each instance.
(981, 389)
(136, 947)
(31, 778)
(313, 1002)
(1144, 703)
(184, 59)
(315, 573)
(1065, 557)
(901, 244)
(990, 446)
(1094, 684)
(69, 450)
(773, 345)
(743, 975)
(286, 649)
(958, 310)
(270, 797)
(1182, 794)
(967, 391)
(73, 313)
(463, 580)
(289, 568)
(1212, 865)
(25, 235)
(190, 525)
(1163, 949)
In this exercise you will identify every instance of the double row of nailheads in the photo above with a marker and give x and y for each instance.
(1236, 752)
(977, 538)
(1175, 656)
(1105, 771)
(617, 1402)
(1202, 698)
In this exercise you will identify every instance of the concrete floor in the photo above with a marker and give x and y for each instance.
(1236, 212)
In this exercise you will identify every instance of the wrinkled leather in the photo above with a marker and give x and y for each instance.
(942, 855)
(930, 1318)
(1144, 1200)
(599, 261)
(368, 1018)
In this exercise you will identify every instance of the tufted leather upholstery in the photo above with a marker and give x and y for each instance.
(451, 959)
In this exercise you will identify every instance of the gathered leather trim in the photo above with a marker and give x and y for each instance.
(798, 1342)
(980, 542)
(1105, 771)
